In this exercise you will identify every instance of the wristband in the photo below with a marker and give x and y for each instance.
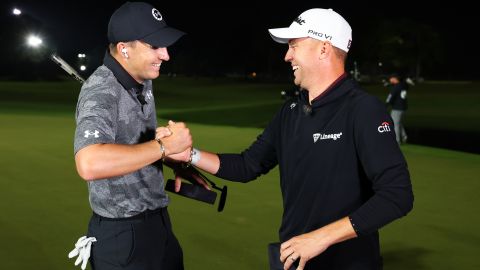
(195, 156)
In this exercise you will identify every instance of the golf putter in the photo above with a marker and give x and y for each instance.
(198, 192)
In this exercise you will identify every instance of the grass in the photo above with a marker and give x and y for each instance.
(45, 207)
(441, 232)
(432, 105)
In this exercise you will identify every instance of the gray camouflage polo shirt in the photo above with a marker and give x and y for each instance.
(108, 111)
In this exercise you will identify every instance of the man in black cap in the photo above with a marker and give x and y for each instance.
(119, 149)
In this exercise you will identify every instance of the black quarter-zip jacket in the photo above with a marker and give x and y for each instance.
(398, 96)
(341, 159)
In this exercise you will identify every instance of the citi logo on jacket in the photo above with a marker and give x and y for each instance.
(384, 127)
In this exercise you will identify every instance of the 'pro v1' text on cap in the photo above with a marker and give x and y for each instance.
(141, 21)
(317, 23)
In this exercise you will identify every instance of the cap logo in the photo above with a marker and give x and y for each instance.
(320, 35)
(299, 21)
(349, 43)
(156, 14)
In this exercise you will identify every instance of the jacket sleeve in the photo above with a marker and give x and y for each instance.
(384, 166)
(256, 160)
(389, 98)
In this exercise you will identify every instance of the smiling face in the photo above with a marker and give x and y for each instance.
(303, 55)
(144, 60)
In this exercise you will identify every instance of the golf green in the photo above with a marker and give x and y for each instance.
(45, 203)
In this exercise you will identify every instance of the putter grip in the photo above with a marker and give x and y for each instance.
(192, 191)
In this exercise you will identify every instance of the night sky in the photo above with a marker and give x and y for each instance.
(233, 37)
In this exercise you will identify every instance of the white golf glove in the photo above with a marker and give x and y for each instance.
(82, 249)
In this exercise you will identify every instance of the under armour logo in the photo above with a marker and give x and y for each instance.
(88, 133)
(293, 105)
(149, 94)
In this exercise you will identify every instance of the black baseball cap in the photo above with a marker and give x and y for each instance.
(141, 21)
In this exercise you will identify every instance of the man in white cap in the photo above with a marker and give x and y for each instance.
(342, 174)
(119, 150)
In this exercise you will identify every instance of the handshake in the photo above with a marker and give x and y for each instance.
(177, 147)
(176, 141)
(176, 144)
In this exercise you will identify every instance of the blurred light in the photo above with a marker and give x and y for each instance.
(254, 74)
(34, 41)
(380, 64)
(83, 67)
(16, 12)
(81, 55)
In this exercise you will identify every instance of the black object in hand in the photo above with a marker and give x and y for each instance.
(198, 192)
(192, 191)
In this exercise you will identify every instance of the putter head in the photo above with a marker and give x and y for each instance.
(192, 191)
(199, 193)
(223, 199)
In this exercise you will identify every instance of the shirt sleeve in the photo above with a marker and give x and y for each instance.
(256, 160)
(95, 118)
(384, 166)
(389, 99)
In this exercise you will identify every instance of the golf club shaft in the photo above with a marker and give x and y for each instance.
(65, 66)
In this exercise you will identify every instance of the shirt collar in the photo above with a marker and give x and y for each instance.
(332, 86)
(125, 79)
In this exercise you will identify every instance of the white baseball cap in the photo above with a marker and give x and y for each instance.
(317, 23)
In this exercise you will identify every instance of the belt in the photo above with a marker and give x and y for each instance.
(142, 216)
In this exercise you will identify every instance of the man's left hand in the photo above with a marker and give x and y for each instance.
(302, 247)
(308, 245)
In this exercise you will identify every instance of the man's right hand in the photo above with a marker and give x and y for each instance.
(180, 139)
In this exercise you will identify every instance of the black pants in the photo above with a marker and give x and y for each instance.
(145, 241)
(274, 258)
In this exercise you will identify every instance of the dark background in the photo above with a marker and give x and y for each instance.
(435, 42)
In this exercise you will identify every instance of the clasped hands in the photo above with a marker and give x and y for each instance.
(177, 141)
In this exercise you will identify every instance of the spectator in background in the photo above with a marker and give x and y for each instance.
(397, 99)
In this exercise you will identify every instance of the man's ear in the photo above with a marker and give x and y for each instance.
(325, 49)
(122, 49)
